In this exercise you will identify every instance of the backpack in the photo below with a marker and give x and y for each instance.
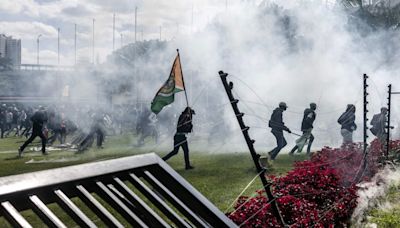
(341, 118)
(375, 119)
(187, 125)
(374, 122)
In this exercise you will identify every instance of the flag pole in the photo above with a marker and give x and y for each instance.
(183, 81)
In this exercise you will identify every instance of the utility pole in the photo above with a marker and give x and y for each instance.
(136, 69)
(93, 43)
(58, 46)
(135, 22)
(113, 31)
(75, 44)
(250, 143)
(37, 51)
(191, 26)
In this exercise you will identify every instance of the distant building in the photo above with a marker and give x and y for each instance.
(11, 49)
(3, 40)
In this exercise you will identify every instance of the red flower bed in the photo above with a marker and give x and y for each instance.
(321, 192)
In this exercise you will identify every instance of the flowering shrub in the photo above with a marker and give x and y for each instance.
(320, 192)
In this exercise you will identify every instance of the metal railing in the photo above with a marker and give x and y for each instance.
(142, 189)
(42, 67)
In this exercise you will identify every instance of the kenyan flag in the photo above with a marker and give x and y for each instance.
(174, 84)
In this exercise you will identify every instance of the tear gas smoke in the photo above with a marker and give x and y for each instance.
(371, 193)
(296, 52)
(293, 51)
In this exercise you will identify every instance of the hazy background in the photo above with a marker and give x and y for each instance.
(293, 51)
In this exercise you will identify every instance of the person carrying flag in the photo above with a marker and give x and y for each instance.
(183, 127)
(164, 97)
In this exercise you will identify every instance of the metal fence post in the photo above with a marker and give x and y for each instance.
(365, 84)
(365, 128)
(388, 121)
(250, 143)
(390, 93)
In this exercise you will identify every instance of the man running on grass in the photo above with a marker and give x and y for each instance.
(278, 126)
(184, 127)
(306, 128)
(38, 119)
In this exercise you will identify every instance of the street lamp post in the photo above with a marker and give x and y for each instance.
(58, 46)
(93, 43)
(135, 22)
(75, 43)
(114, 32)
(37, 51)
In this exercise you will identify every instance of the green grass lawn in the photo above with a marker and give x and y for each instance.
(220, 177)
(388, 216)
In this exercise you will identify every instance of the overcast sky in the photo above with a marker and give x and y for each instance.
(27, 19)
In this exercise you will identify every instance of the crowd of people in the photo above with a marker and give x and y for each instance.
(84, 125)
(14, 119)
(346, 121)
(75, 127)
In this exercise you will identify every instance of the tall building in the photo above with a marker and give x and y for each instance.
(3, 40)
(13, 50)
(10, 48)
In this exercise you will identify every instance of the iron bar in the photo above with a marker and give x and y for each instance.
(250, 143)
(388, 121)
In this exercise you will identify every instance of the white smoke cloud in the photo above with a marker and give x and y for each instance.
(298, 54)
(371, 193)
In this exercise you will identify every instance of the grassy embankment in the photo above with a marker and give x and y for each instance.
(220, 177)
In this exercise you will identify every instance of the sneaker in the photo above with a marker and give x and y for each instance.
(45, 153)
(270, 156)
(189, 167)
(20, 153)
(263, 161)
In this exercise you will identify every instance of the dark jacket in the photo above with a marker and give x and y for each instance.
(276, 122)
(184, 123)
(38, 119)
(2, 116)
(347, 121)
(378, 123)
(308, 119)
